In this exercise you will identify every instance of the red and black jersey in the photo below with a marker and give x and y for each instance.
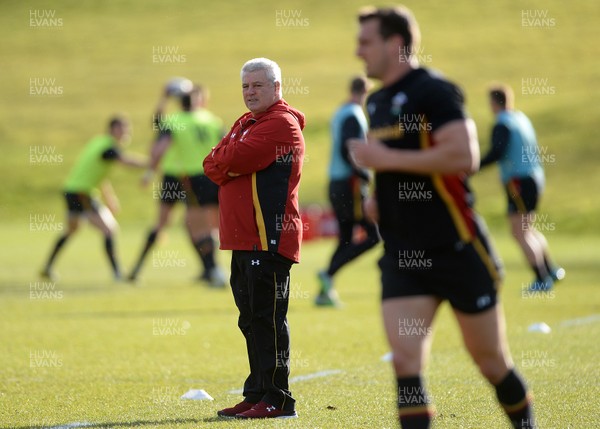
(258, 206)
(420, 211)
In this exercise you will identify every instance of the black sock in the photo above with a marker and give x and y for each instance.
(550, 267)
(414, 407)
(512, 395)
(205, 247)
(539, 274)
(59, 244)
(108, 245)
(150, 240)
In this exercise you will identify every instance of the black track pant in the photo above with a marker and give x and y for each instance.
(260, 282)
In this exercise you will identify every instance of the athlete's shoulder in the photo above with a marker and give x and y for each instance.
(433, 82)
(101, 142)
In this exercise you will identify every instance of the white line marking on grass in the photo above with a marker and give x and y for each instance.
(298, 378)
(580, 321)
(325, 373)
(73, 425)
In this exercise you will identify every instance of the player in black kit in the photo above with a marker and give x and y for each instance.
(422, 147)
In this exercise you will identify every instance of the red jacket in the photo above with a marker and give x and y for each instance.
(258, 210)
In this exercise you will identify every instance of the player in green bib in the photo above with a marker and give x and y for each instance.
(183, 140)
(85, 178)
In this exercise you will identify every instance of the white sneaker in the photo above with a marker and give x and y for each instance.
(217, 278)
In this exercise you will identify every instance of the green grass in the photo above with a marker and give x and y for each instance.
(114, 372)
(99, 352)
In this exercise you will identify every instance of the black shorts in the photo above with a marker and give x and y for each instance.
(467, 274)
(78, 203)
(200, 190)
(170, 190)
(522, 195)
(196, 190)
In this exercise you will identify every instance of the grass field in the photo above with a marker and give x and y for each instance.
(87, 350)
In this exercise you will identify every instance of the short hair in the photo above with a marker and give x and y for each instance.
(271, 68)
(502, 95)
(197, 91)
(398, 20)
(359, 85)
(117, 120)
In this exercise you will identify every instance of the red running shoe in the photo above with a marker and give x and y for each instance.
(262, 410)
(236, 409)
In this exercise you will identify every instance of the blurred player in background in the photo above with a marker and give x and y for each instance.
(422, 147)
(348, 185)
(515, 149)
(184, 139)
(89, 173)
(258, 165)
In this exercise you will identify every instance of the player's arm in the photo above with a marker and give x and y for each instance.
(114, 154)
(133, 161)
(500, 136)
(351, 130)
(159, 147)
(455, 148)
(455, 151)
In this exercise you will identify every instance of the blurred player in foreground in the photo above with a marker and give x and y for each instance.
(87, 174)
(515, 149)
(422, 147)
(184, 139)
(348, 185)
(258, 166)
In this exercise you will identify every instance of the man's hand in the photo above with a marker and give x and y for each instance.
(232, 174)
(371, 155)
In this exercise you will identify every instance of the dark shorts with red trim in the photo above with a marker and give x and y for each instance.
(197, 190)
(79, 203)
(522, 195)
(465, 274)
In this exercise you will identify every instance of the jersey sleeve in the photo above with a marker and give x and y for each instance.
(443, 102)
(211, 170)
(500, 136)
(351, 130)
(111, 154)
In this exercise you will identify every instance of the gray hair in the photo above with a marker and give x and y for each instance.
(271, 68)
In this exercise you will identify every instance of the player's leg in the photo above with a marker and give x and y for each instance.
(522, 230)
(341, 203)
(196, 220)
(407, 322)
(556, 271)
(102, 219)
(169, 195)
(73, 223)
(201, 200)
(484, 335)
(75, 207)
(164, 215)
(522, 199)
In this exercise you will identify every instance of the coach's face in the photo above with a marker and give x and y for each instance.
(377, 53)
(259, 93)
